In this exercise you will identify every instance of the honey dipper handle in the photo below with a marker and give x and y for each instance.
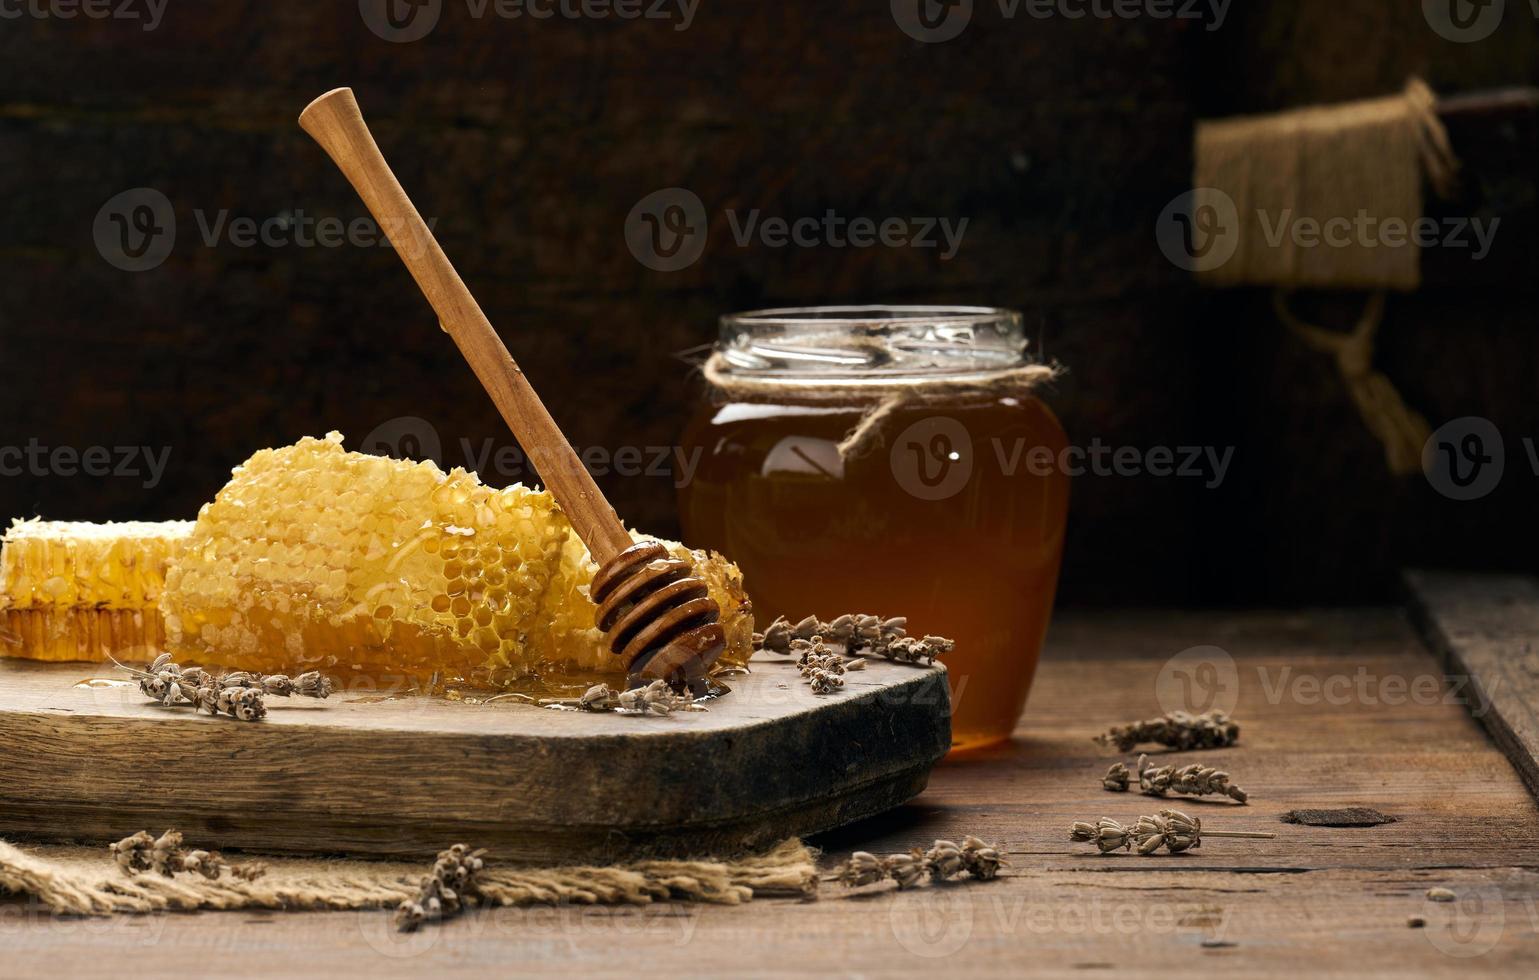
(337, 124)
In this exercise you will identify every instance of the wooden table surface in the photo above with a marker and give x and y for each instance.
(1338, 709)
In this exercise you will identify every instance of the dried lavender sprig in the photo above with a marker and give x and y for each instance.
(311, 684)
(1192, 780)
(822, 669)
(1178, 730)
(166, 856)
(656, 698)
(943, 861)
(855, 634)
(239, 695)
(1170, 829)
(446, 891)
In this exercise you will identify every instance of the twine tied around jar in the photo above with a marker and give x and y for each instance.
(886, 398)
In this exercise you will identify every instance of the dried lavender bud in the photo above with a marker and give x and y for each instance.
(776, 637)
(909, 650)
(824, 681)
(907, 870)
(409, 916)
(165, 853)
(446, 891)
(206, 698)
(208, 864)
(1117, 778)
(1107, 834)
(944, 860)
(656, 698)
(314, 684)
(244, 703)
(132, 852)
(863, 868)
(1178, 730)
(817, 657)
(982, 860)
(599, 697)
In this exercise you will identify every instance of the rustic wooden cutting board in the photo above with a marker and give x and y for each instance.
(411, 776)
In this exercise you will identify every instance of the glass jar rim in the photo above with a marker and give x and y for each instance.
(871, 344)
(873, 314)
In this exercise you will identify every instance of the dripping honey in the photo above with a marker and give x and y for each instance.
(946, 520)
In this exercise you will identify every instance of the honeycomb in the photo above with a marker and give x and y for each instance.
(61, 565)
(313, 557)
(74, 591)
(81, 634)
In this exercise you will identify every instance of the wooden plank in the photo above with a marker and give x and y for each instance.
(403, 776)
(1486, 627)
(1317, 901)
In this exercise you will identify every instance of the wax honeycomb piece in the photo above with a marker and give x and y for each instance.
(62, 564)
(313, 557)
(76, 591)
(129, 635)
(316, 558)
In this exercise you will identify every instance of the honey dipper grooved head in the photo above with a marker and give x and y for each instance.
(658, 615)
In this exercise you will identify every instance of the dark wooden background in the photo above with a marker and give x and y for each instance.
(530, 141)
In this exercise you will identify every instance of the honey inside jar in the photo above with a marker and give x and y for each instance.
(937, 508)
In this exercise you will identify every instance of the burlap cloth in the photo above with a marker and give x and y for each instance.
(1376, 158)
(85, 881)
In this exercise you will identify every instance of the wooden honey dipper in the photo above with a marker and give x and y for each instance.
(658, 615)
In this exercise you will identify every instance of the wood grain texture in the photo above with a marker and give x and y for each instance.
(1317, 901)
(403, 776)
(1486, 628)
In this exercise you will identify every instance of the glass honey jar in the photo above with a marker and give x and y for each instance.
(895, 461)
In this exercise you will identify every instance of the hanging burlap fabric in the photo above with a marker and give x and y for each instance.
(1352, 179)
